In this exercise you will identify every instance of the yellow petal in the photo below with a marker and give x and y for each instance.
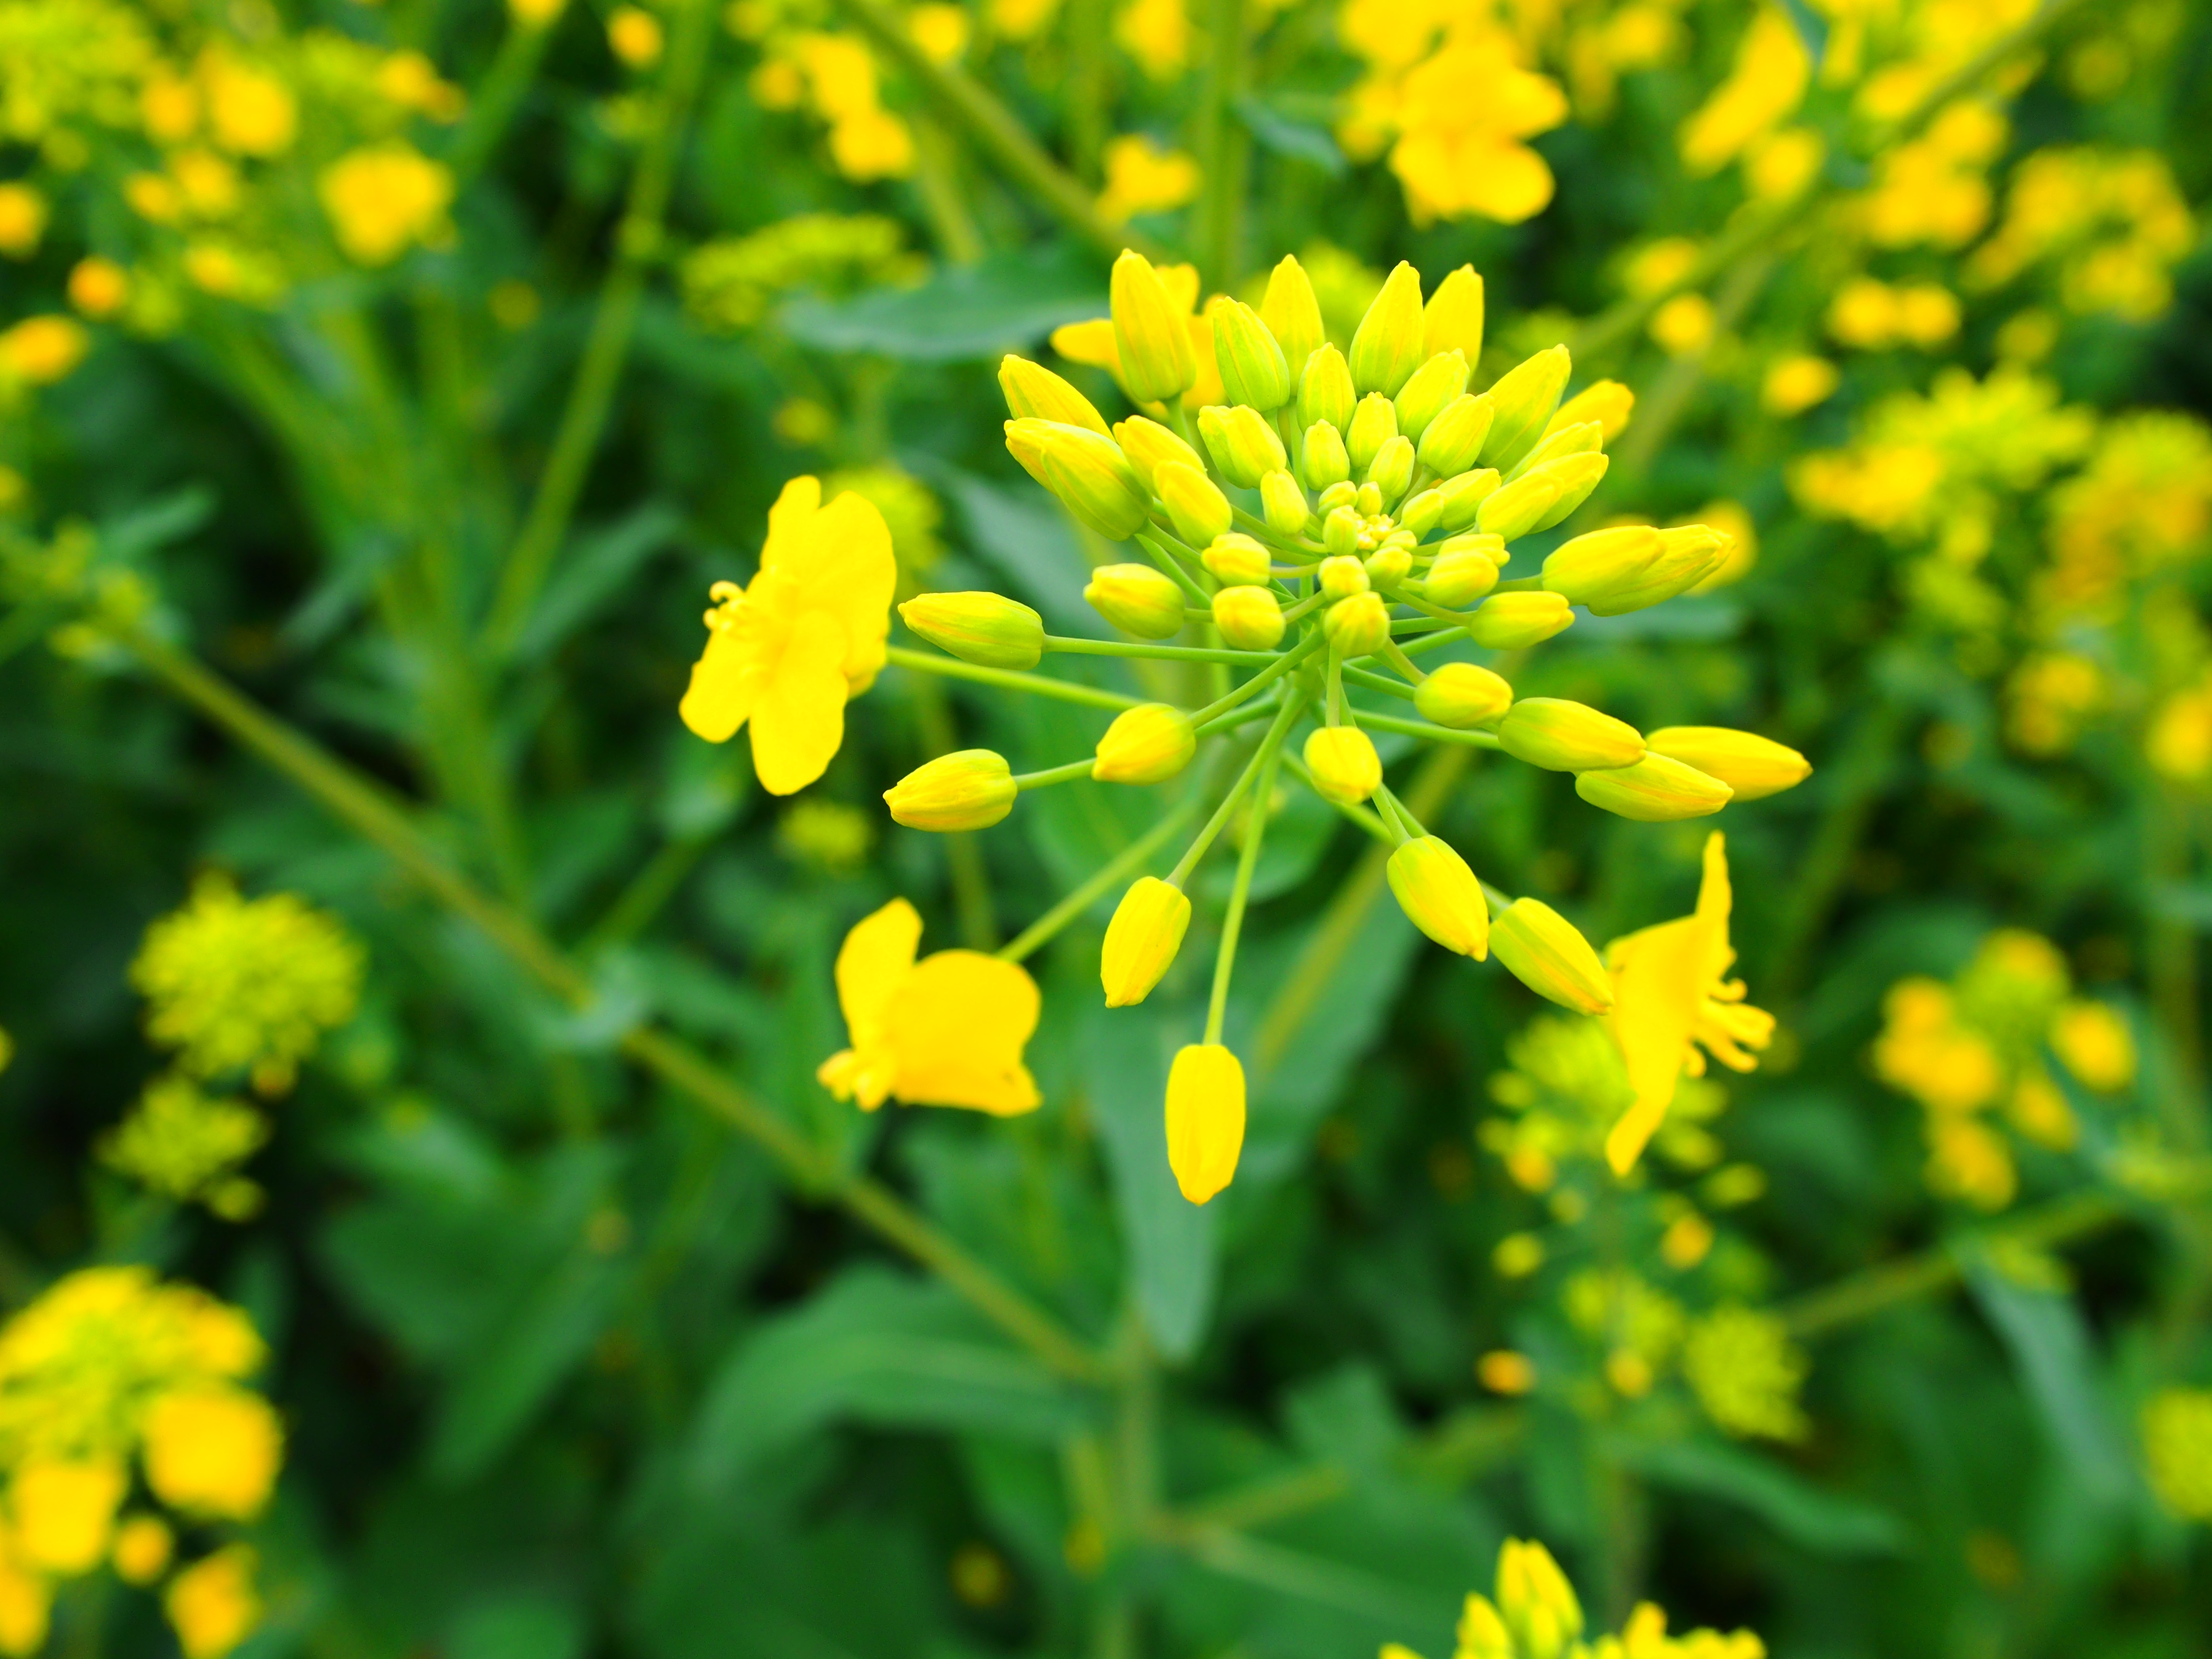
(720, 694)
(1182, 284)
(958, 1024)
(1090, 344)
(874, 960)
(1659, 985)
(843, 562)
(799, 501)
(1715, 897)
(799, 718)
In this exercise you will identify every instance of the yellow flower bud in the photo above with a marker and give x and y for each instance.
(1540, 498)
(1340, 493)
(1463, 496)
(1345, 766)
(1236, 560)
(1391, 471)
(1440, 895)
(1253, 370)
(1507, 622)
(1752, 766)
(1137, 600)
(1149, 744)
(1608, 403)
(1089, 473)
(1436, 384)
(1461, 695)
(979, 627)
(1206, 1119)
(1283, 504)
(1482, 1633)
(1561, 736)
(1576, 439)
(1465, 570)
(1386, 347)
(1687, 554)
(1340, 532)
(1243, 442)
(1142, 940)
(1541, 949)
(1590, 567)
(1033, 390)
(1452, 321)
(1152, 333)
(1526, 395)
(1388, 565)
(1535, 1601)
(1453, 435)
(968, 789)
(1358, 626)
(1321, 458)
(1024, 443)
(1422, 514)
(1374, 423)
(1325, 390)
(1194, 501)
(1250, 618)
(1341, 576)
(1293, 313)
(1148, 444)
(1655, 790)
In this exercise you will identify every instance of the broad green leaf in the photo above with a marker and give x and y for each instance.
(1008, 302)
(2051, 1350)
(1823, 1522)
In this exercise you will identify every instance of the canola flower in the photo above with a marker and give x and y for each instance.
(1389, 494)
(1746, 1373)
(187, 1146)
(730, 284)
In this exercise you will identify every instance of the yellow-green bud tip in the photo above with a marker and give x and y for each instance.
(1542, 948)
(1387, 347)
(1033, 390)
(1440, 895)
(1150, 333)
(968, 789)
(1752, 766)
(1655, 790)
(1137, 600)
(986, 628)
(1561, 736)
(1461, 695)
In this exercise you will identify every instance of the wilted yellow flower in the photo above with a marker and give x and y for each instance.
(22, 219)
(213, 1451)
(383, 199)
(213, 1604)
(1746, 1373)
(1142, 178)
(2177, 1440)
(39, 350)
(947, 1030)
(788, 652)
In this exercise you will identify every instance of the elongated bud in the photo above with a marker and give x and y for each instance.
(1367, 500)
(1358, 626)
(1507, 622)
(1461, 695)
(1391, 471)
(1535, 1601)
(1374, 423)
(1089, 473)
(1388, 565)
(1283, 504)
(1603, 562)
(968, 789)
(1462, 575)
(1386, 347)
(1577, 476)
(1147, 444)
(1137, 600)
(979, 627)
(1436, 384)
(1340, 493)
(1253, 368)
(1525, 396)
(1752, 766)
(1325, 390)
(1206, 1119)
(1321, 458)
(1236, 560)
(1453, 436)
(1340, 532)
(1292, 312)
(1342, 575)
(1422, 514)
(1150, 332)
(1440, 895)
(1463, 496)
(1034, 390)
(1026, 444)
(1563, 440)
(1142, 940)
(1149, 744)
(1512, 510)
(1194, 501)
(1541, 949)
(1345, 766)
(1243, 442)
(1687, 554)
(1482, 1633)
(1561, 736)
(1250, 618)
(1655, 790)
(1452, 321)
(1608, 403)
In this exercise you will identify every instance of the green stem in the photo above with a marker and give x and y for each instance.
(493, 104)
(1215, 824)
(1223, 146)
(937, 181)
(1161, 653)
(1375, 681)
(1051, 775)
(1131, 858)
(1157, 549)
(1248, 860)
(649, 890)
(1473, 738)
(1010, 679)
(1268, 675)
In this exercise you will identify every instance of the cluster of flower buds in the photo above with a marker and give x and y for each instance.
(1342, 514)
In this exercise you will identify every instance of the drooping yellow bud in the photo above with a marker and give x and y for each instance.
(1525, 396)
(1440, 895)
(1453, 435)
(1322, 460)
(1463, 496)
(1149, 744)
(1087, 471)
(1561, 736)
(1152, 333)
(1655, 790)
(1508, 622)
(1137, 600)
(1752, 766)
(1603, 562)
(1452, 321)
(1540, 498)
(1543, 950)
(1194, 501)
(1250, 618)
(1325, 390)
(1461, 695)
(1142, 940)
(979, 627)
(1243, 442)
(1148, 444)
(1283, 504)
(1345, 766)
(1374, 423)
(1254, 370)
(1236, 560)
(1608, 403)
(1435, 385)
(1391, 471)
(1293, 313)
(1463, 575)
(968, 789)
(1035, 392)
(1387, 347)
(1206, 1119)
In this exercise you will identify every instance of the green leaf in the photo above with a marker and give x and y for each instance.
(1009, 301)
(516, 1626)
(597, 566)
(1823, 1522)
(2052, 1352)
(1296, 139)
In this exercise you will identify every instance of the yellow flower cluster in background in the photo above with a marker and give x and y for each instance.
(731, 282)
(1143, 177)
(2176, 1442)
(836, 79)
(2113, 222)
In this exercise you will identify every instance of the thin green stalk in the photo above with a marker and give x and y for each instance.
(1156, 549)
(1266, 677)
(1248, 860)
(1010, 679)
(1473, 736)
(648, 892)
(1375, 681)
(1225, 147)
(496, 98)
(1130, 858)
(1051, 775)
(937, 179)
(1089, 61)
(1078, 647)
(1215, 824)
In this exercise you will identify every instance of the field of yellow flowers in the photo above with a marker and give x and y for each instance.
(1105, 828)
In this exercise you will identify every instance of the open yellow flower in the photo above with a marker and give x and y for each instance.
(1670, 995)
(790, 651)
(946, 1030)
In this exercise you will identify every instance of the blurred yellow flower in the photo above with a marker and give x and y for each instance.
(207, 184)
(213, 1604)
(536, 13)
(1504, 1371)
(635, 35)
(22, 219)
(1925, 1052)
(1746, 1372)
(866, 141)
(2143, 504)
(1022, 20)
(143, 1545)
(2113, 221)
(98, 287)
(383, 199)
(1763, 89)
(411, 80)
(2176, 1441)
(250, 112)
(63, 1511)
(2179, 742)
(1969, 1161)
(39, 350)
(179, 1143)
(169, 106)
(2049, 699)
(1932, 189)
(26, 1600)
(1142, 178)
(1156, 33)
(947, 1030)
(2092, 1041)
(1794, 384)
(1683, 324)
(787, 653)
(213, 1451)
(940, 29)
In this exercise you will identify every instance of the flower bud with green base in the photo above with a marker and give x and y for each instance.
(1152, 334)
(1194, 501)
(968, 789)
(1387, 347)
(1325, 390)
(1688, 555)
(1752, 766)
(1511, 511)
(1508, 622)
(1034, 390)
(1321, 458)
(1345, 766)
(1243, 442)
(1561, 736)
(1462, 575)
(1089, 473)
(1148, 444)
(1283, 504)
(1342, 575)
(1293, 313)
(1374, 423)
(986, 628)
(1462, 497)
(1340, 532)
(1250, 618)
(1142, 940)
(1525, 396)
(1254, 370)
(1578, 475)
(1358, 626)
(1440, 895)
(1452, 321)
(1655, 790)
(1422, 513)
(1568, 440)
(1544, 951)
(1436, 384)
(1590, 567)
(1137, 600)
(1236, 560)
(1149, 744)
(1453, 436)
(1392, 470)
(1463, 694)
(1388, 565)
